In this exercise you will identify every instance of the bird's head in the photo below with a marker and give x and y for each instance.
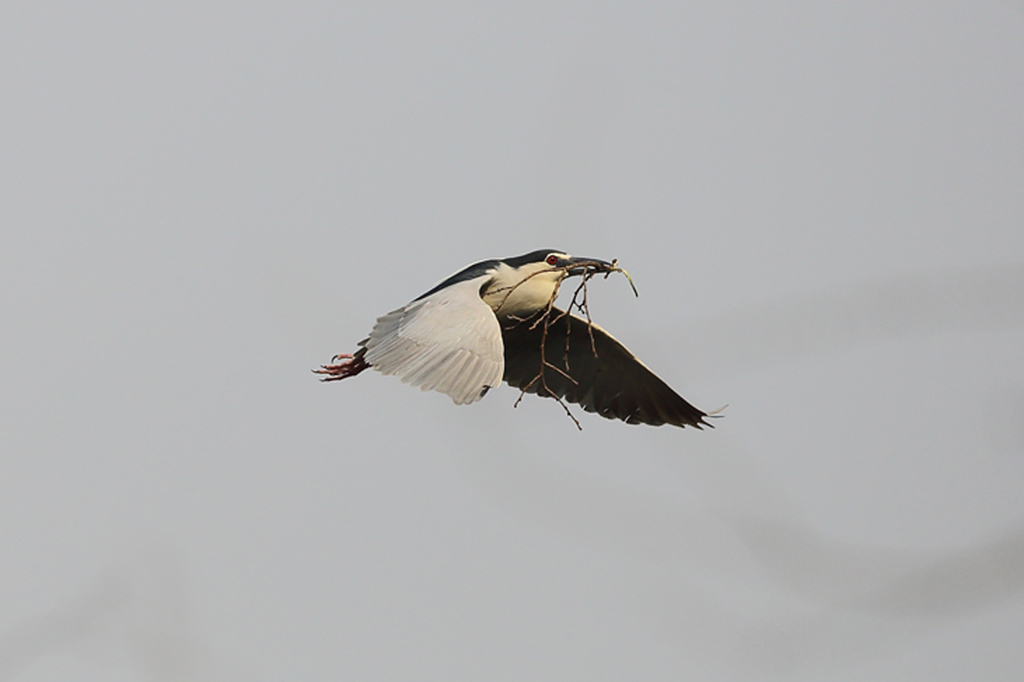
(523, 285)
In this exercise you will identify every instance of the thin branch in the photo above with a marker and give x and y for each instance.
(589, 270)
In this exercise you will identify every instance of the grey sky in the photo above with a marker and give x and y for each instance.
(821, 207)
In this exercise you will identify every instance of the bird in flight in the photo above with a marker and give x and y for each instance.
(496, 320)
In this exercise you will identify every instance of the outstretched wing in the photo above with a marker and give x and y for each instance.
(613, 383)
(448, 341)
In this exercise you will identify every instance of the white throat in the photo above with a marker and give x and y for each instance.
(522, 292)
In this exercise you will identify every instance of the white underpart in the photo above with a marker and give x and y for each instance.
(449, 341)
(521, 292)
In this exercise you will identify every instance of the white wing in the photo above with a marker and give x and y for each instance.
(449, 341)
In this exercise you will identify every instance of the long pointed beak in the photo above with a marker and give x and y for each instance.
(582, 265)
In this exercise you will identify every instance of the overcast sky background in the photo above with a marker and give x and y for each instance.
(821, 205)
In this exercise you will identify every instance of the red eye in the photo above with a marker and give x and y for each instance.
(552, 260)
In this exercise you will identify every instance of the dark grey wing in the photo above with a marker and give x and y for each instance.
(614, 383)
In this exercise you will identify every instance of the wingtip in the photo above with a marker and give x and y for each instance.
(714, 414)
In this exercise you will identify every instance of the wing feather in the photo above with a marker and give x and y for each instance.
(448, 341)
(615, 383)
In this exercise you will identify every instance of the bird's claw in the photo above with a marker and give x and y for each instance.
(343, 365)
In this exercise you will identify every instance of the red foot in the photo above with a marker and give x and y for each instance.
(349, 366)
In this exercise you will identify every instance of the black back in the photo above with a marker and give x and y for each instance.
(483, 267)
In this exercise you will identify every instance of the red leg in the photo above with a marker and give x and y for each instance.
(342, 366)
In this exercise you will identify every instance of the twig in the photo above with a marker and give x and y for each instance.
(589, 270)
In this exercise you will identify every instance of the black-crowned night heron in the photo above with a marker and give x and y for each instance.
(495, 320)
